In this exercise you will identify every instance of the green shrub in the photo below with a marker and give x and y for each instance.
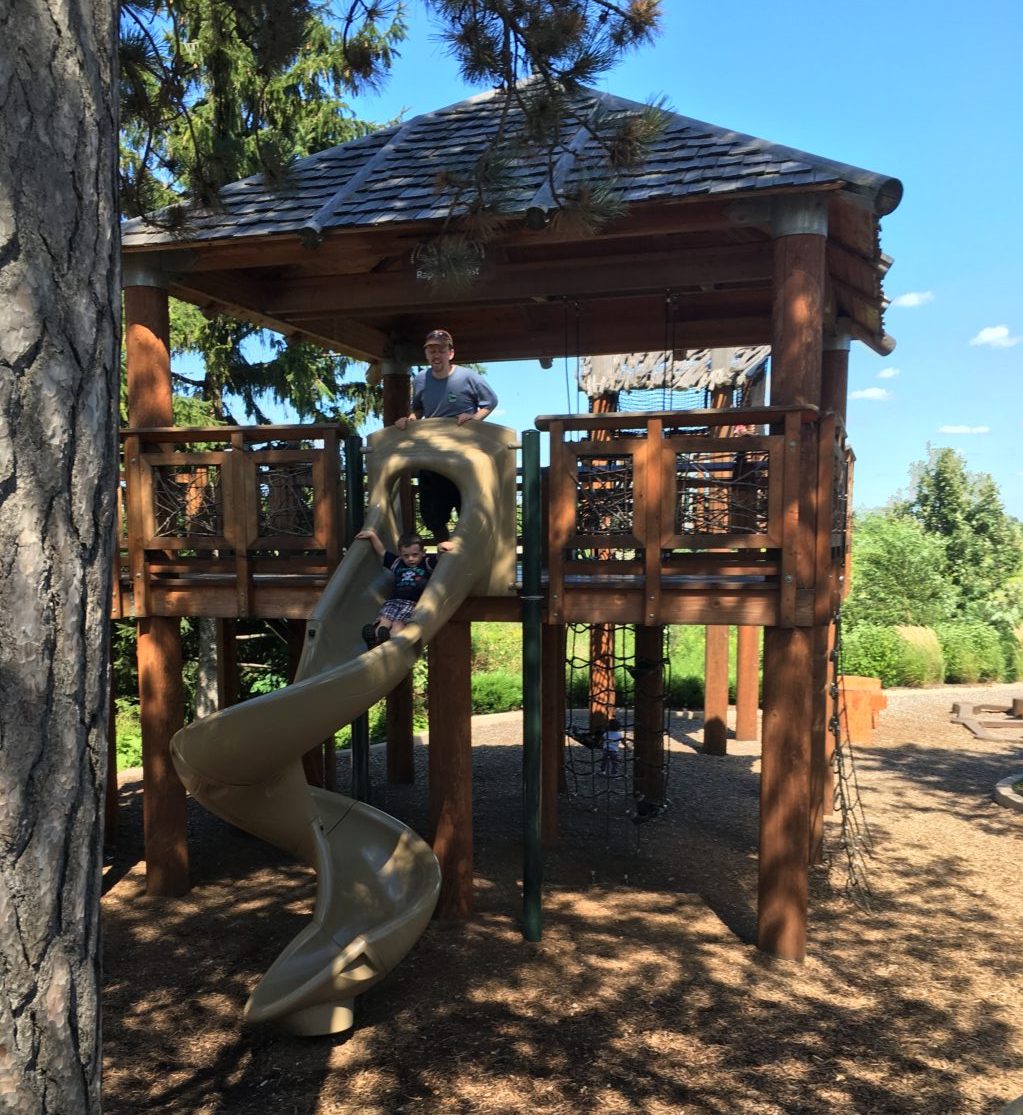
(129, 734)
(496, 691)
(869, 650)
(873, 651)
(684, 691)
(973, 652)
(496, 646)
(923, 662)
(1012, 648)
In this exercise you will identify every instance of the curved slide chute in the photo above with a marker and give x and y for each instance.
(377, 881)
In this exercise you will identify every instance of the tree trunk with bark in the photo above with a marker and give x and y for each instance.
(59, 326)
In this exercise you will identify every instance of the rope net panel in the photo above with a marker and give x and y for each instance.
(616, 779)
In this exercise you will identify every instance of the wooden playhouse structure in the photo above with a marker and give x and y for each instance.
(728, 242)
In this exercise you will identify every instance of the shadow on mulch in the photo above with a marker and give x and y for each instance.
(645, 994)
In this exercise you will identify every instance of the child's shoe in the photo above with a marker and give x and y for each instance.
(383, 634)
(369, 635)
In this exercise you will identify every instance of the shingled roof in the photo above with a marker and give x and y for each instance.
(334, 257)
(392, 175)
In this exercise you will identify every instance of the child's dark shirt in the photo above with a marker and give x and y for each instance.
(409, 580)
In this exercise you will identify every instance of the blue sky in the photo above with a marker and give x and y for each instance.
(929, 93)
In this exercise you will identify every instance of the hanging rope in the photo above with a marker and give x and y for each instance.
(854, 835)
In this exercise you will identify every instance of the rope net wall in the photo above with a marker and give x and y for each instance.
(607, 777)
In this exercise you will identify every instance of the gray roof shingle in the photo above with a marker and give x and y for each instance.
(392, 174)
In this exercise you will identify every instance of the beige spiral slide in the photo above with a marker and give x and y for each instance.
(377, 880)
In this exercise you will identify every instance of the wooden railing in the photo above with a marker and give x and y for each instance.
(228, 521)
(713, 516)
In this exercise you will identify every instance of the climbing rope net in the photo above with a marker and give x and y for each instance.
(854, 838)
(618, 779)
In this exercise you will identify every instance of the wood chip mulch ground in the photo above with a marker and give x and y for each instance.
(645, 994)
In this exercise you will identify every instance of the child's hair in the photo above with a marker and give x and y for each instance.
(409, 539)
(613, 725)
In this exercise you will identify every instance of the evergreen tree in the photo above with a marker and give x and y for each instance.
(217, 90)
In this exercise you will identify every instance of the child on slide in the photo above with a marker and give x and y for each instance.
(411, 567)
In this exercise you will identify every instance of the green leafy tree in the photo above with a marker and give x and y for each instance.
(898, 573)
(983, 548)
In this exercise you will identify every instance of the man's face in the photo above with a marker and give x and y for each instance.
(438, 354)
(412, 555)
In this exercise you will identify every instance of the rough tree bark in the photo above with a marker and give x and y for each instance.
(59, 324)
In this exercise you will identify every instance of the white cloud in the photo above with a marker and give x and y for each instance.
(878, 394)
(964, 429)
(997, 336)
(914, 298)
(887, 373)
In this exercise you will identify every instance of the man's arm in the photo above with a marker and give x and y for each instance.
(486, 400)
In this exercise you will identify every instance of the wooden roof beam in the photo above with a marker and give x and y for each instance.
(379, 293)
(361, 342)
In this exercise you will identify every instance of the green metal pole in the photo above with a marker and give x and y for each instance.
(356, 513)
(532, 616)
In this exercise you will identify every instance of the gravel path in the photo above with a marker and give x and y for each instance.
(645, 994)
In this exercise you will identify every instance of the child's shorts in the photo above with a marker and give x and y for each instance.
(397, 610)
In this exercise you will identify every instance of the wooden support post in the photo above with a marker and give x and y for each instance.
(648, 778)
(602, 675)
(747, 683)
(552, 728)
(785, 792)
(450, 701)
(835, 370)
(715, 691)
(401, 765)
(161, 693)
(147, 353)
(715, 658)
(161, 712)
(229, 683)
(800, 228)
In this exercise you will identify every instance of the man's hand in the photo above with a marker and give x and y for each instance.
(401, 423)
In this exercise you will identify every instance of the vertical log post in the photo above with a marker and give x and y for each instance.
(161, 714)
(800, 231)
(715, 658)
(715, 690)
(401, 769)
(229, 685)
(450, 706)
(648, 778)
(161, 693)
(747, 682)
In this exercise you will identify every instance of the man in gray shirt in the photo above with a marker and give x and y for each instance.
(445, 391)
